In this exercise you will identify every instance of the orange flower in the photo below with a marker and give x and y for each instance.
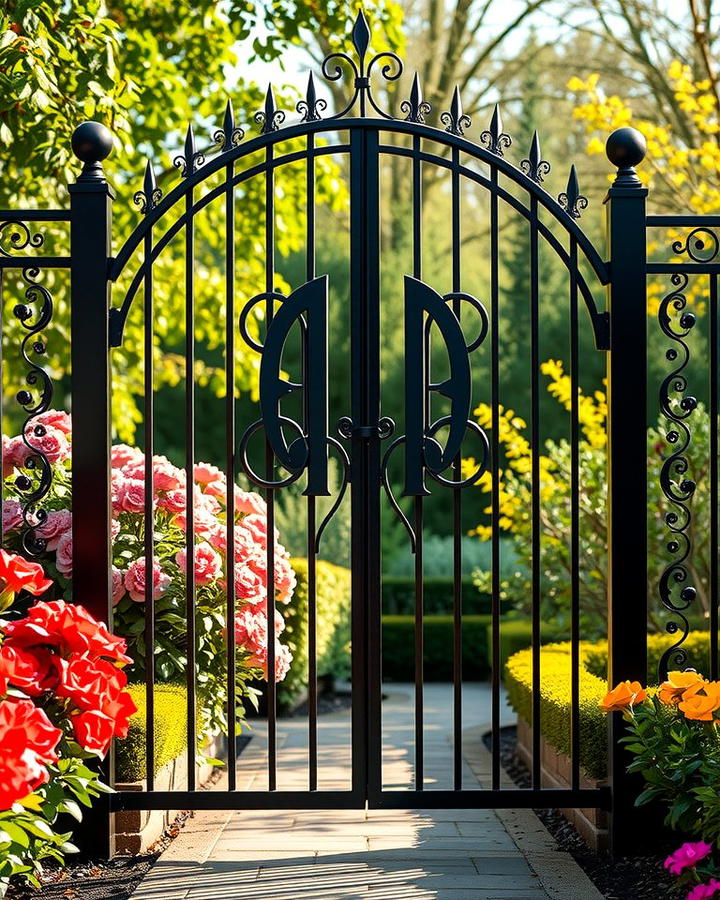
(625, 694)
(700, 701)
(677, 683)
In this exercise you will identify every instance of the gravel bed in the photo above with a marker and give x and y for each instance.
(628, 878)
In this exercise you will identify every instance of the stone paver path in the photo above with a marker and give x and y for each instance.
(369, 854)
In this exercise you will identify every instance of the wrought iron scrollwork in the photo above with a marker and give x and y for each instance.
(701, 245)
(16, 236)
(677, 323)
(361, 71)
(309, 450)
(34, 315)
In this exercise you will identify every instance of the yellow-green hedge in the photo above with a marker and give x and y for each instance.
(555, 699)
(333, 627)
(170, 731)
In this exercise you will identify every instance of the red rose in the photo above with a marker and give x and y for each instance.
(34, 670)
(119, 710)
(68, 627)
(90, 683)
(17, 574)
(93, 731)
(27, 747)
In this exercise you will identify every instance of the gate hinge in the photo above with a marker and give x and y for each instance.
(602, 331)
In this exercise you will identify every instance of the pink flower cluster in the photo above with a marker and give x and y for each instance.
(47, 433)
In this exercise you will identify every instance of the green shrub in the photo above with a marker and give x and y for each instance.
(333, 627)
(555, 698)
(398, 596)
(170, 731)
(516, 635)
(398, 641)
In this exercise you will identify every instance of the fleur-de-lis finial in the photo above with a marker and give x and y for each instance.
(311, 107)
(150, 195)
(270, 117)
(455, 119)
(495, 138)
(535, 167)
(416, 108)
(191, 159)
(361, 38)
(230, 134)
(571, 200)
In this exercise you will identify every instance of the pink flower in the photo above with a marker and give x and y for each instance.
(58, 523)
(205, 473)
(251, 635)
(114, 529)
(15, 453)
(118, 585)
(135, 580)
(56, 418)
(248, 584)
(52, 444)
(64, 554)
(172, 502)
(12, 514)
(121, 455)
(208, 564)
(132, 495)
(217, 489)
(166, 476)
(247, 503)
(687, 856)
(285, 580)
(704, 891)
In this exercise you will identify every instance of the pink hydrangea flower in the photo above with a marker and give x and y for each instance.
(249, 502)
(205, 473)
(56, 418)
(687, 856)
(135, 580)
(64, 554)
(12, 514)
(121, 455)
(118, 585)
(704, 891)
(208, 564)
(166, 476)
(57, 524)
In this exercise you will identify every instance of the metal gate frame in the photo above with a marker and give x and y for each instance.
(620, 331)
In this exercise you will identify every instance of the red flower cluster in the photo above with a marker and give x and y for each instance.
(57, 653)
(18, 574)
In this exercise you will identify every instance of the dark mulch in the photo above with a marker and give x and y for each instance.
(627, 878)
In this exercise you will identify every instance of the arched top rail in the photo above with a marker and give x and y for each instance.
(564, 215)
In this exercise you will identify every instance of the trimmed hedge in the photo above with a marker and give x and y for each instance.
(555, 700)
(170, 731)
(516, 635)
(398, 596)
(333, 627)
(398, 643)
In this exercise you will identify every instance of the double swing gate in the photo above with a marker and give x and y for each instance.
(428, 306)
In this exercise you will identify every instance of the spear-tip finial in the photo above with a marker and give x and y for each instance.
(191, 159)
(535, 167)
(312, 106)
(494, 138)
(150, 195)
(571, 200)
(361, 36)
(229, 135)
(455, 120)
(270, 118)
(416, 108)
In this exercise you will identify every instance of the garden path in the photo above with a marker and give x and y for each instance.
(373, 854)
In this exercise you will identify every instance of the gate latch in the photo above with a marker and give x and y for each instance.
(347, 429)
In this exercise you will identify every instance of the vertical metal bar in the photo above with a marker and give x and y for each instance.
(149, 514)
(230, 468)
(365, 466)
(269, 496)
(190, 481)
(574, 524)
(713, 340)
(627, 476)
(311, 502)
(535, 490)
(457, 506)
(418, 501)
(495, 477)
(90, 247)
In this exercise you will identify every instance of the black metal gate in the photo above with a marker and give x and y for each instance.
(364, 438)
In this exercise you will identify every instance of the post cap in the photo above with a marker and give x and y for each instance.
(626, 147)
(91, 143)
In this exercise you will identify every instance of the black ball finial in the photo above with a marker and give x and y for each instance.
(91, 143)
(626, 148)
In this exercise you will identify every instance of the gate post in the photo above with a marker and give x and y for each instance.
(90, 246)
(627, 459)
